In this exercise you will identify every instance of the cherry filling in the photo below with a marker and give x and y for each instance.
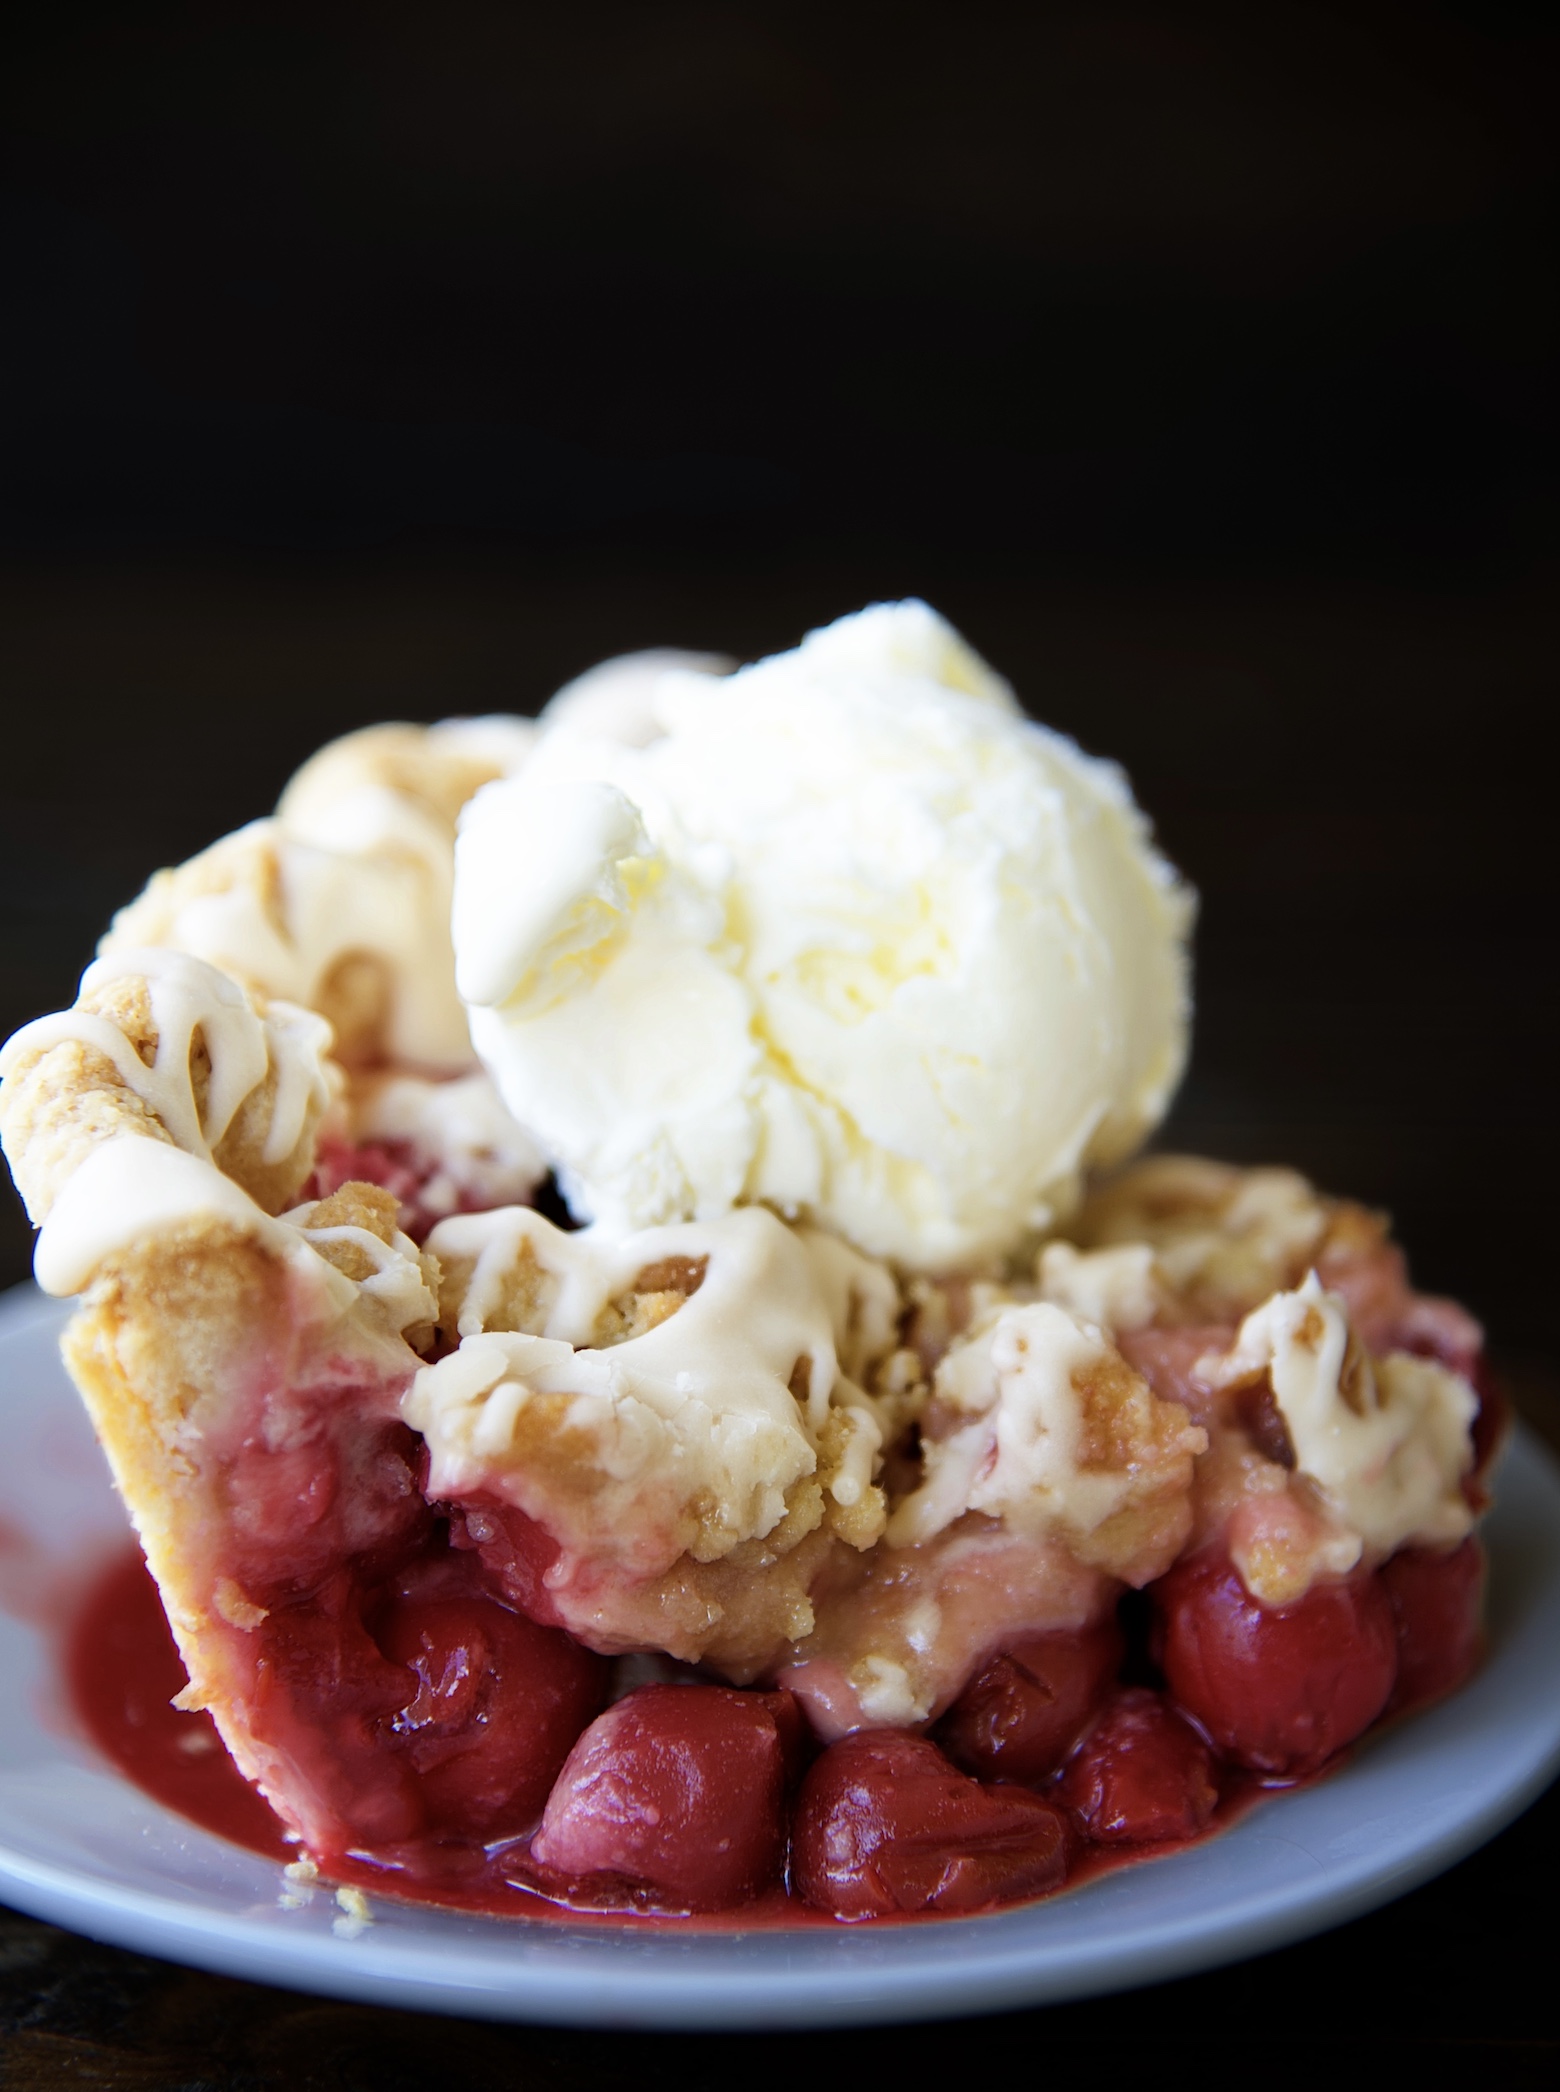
(403, 1670)
(419, 1705)
(1142, 1775)
(407, 1699)
(338, 1162)
(886, 1823)
(498, 1703)
(515, 1553)
(1438, 1608)
(1022, 1713)
(423, 1187)
(673, 1799)
(432, 1729)
(1278, 1689)
(391, 1164)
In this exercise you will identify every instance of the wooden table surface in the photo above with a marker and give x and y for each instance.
(1349, 776)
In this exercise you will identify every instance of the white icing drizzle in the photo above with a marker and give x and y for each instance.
(696, 1410)
(1018, 1379)
(299, 1042)
(1115, 1289)
(187, 997)
(863, 1298)
(1387, 1440)
(397, 1283)
(131, 1185)
(758, 1310)
(128, 1188)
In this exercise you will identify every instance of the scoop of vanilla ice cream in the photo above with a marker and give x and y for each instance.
(615, 700)
(845, 934)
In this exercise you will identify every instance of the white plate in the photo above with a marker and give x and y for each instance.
(82, 1847)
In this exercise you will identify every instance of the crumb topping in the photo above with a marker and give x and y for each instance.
(163, 1047)
(341, 900)
(674, 1393)
(164, 1094)
(1039, 1421)
(1378, 1446)
(1223, 1238)
(1115, 1289)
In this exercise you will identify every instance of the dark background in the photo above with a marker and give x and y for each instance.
(1199, 361)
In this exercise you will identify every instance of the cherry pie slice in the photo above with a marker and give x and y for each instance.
(673, 1570)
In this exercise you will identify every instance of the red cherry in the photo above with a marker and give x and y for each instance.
(1142, 1774)
(516, 1553)
(321, 1695)
(1021, 1714)
(885, 1823)
(496, 1705)
(1278, 1688)
(1438, 1604)
(679, 1791)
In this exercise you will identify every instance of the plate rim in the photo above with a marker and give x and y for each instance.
(578, 1976)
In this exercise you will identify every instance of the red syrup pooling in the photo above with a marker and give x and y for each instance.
(123, 1671)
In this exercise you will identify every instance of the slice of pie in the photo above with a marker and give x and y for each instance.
(650, 1567)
